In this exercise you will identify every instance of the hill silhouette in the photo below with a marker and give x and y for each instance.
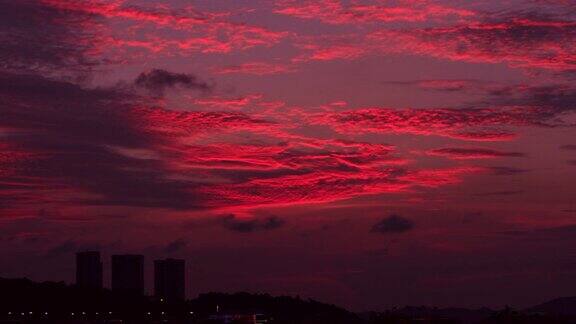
(559, 306)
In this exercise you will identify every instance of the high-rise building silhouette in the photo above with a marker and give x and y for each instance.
(128, 274)
(89, 269)
(170, 279)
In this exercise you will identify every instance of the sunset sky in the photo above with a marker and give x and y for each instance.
(368, 153)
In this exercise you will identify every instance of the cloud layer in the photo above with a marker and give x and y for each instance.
(274, 136)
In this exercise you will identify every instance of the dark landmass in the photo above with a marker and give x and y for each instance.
(560, 306)
(24, 301)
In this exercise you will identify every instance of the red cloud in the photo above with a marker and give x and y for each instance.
(115, 9)
(256, 68)
(145, 147)
(446, 85)
(466, 124)
(10, 153)
(335, 12)
(302, 170)
(163, 157)
(192, 30)
(484, 136)
(319, 52)
(530, 42)
(11, 157)
(194, 122)
(116, 149)
(325, 186)
(228, 103)
(232, 157)
(292, 158)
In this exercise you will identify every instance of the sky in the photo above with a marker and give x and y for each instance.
(364, 153)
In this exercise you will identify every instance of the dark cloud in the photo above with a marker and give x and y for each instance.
(157, 81)
(67, 110)
(91, 146)
(393, 224)
(234, 224)
(36, 36)
(175, 246)
(71, 133)
(70, 247)
(63, 248)
(569, 147)
(545, 106)
(465, 153)
(59, 136)
(506, 171)
(499, 193)
(448, 85)
(546, 102)
(566, 232)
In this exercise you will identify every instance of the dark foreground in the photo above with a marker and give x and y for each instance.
(23, 301)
